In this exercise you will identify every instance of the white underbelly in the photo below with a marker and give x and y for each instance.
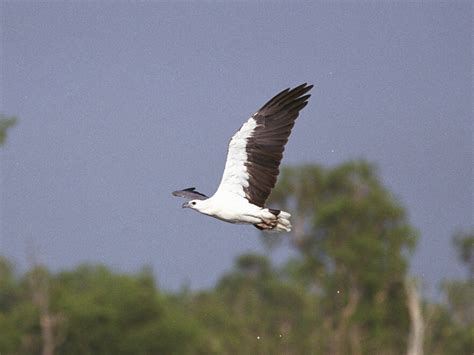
(234, 210)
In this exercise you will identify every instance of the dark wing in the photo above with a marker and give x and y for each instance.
(256, 150)
(190, 194)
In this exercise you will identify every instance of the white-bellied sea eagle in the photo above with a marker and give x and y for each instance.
(252, 166)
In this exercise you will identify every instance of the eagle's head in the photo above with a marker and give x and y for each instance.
(194, 204)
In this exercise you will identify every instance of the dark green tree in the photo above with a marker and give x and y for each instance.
(91, 310)
(109, 313)
(10, 299)
(254, 310)
(354, 241)
(451, 325)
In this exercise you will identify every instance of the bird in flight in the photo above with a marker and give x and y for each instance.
(252, 166)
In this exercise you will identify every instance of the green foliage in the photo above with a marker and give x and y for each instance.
(96, 312)
(253, 310)
(453, 322)
(354, 241)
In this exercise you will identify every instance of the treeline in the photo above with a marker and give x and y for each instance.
(346, 291)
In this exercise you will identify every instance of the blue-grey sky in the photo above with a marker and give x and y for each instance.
(121, 103)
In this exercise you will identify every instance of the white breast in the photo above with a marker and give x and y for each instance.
(230, 207)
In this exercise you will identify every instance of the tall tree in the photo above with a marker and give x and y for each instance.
(354, 240)
(450, 328)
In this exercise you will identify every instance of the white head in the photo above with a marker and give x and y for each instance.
(194, 204)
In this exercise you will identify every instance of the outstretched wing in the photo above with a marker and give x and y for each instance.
(190, 194)
(256, 150)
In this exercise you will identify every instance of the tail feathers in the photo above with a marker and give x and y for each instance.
(284, 215)
(281, 228)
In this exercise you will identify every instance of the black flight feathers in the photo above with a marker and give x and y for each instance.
(289, 96)
(267, 142)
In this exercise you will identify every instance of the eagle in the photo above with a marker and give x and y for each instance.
(251, 170)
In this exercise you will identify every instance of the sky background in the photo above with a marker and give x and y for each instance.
(120, 103)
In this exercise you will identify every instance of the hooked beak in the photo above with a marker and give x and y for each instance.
(186, 204)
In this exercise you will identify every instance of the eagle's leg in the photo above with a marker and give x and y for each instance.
(265, 226)
(269, 221)
(274, 220)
